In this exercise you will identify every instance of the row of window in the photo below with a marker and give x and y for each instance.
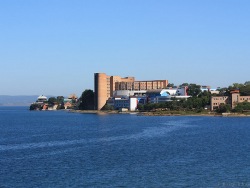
(219, 98)
(224, 98)
(121, 105)
(121, 101)
(244, 99)
(217, 104)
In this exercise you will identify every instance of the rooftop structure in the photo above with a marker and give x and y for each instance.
(73, 96)
(42, 99)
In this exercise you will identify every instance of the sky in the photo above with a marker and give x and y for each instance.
(54, 47)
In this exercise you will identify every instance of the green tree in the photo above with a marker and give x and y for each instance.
(223, 108)
(236, 86)
(247, 83)
(242, 106)
(193, 103)
(107, 107)
(52, 100)
(245, 90)
(184, 84)
(223, 91)
(194, 90)
(140, 107)
(86, 101)
(35, 106)
(60, 107)
(205, 98)
(60, 99)
(170, 85)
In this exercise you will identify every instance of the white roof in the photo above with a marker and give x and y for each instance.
(42, 97)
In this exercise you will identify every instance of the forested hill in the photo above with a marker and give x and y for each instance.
(18, 100)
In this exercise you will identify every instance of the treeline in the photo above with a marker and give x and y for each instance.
(243, 88)
(199, 100)
(240, 108)
(195, 103)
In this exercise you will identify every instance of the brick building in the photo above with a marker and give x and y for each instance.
(232, 100)
(105, 85)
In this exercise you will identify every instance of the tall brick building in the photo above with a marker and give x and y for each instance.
(105, 85)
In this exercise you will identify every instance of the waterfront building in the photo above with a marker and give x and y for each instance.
(45, 107)
(129, 103)
(166, 95)
(105, 86)
(70, 102)
(53, 107)
(233, 99)
(127, 93)
(68, 105)
(205, 88)
(141, 85)
(73, 97)
(128, 99)
(214, 91)
(209, 89)
(42, 99)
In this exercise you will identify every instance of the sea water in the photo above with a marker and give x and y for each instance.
(63, 149)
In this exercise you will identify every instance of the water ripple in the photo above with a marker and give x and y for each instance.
(146, 133)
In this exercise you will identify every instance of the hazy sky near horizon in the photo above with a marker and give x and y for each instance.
(53, 47)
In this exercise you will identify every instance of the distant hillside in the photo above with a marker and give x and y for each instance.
(19, 100)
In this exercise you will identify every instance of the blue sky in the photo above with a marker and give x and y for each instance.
(53, 47)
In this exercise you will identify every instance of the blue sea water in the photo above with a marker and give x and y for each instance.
(62, 149)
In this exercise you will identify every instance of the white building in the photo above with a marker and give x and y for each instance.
(128, 103)
(128, 93)
(129, 99)
(166, 95)
(42, 99)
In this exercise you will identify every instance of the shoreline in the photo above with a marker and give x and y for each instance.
(195, 114)
(159, 113)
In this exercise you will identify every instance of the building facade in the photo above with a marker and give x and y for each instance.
(42, 99)
(105, 85)
(141, 85)
(166, 95)
(232, 100)
(128, 103)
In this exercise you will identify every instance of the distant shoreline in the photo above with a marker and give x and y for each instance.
(15, 105)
